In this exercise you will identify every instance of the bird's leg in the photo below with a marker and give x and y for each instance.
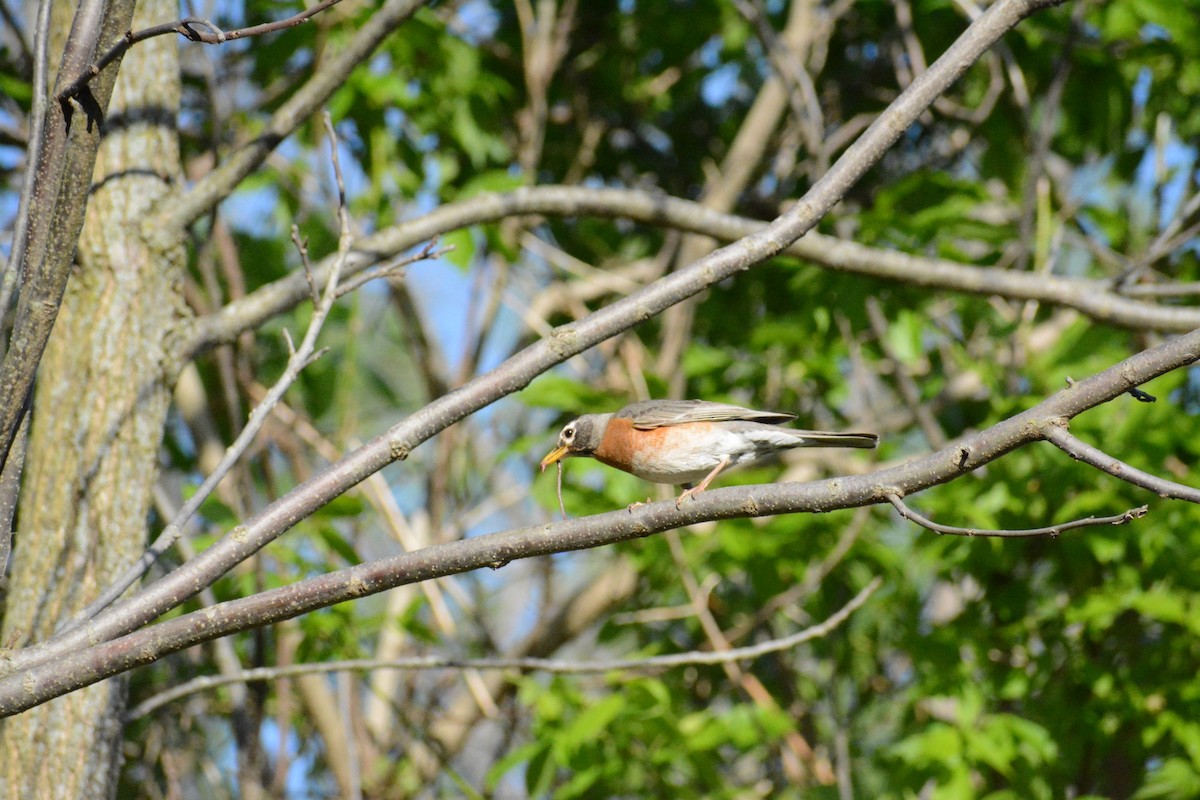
(700, 487)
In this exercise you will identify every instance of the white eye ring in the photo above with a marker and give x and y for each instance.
(568, 433)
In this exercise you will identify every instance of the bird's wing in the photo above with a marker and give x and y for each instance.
(661, 413)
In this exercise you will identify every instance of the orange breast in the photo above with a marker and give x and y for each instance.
(669, 454)
(622, 442)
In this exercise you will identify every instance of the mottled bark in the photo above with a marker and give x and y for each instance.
(98, 416)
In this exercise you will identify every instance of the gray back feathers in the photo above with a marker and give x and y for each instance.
(660, 413)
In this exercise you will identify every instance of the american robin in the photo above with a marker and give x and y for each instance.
(684, 441)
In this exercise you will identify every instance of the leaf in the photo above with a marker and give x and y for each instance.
(585, 727)
(1175, 778)
(337, 543)
(461, 248)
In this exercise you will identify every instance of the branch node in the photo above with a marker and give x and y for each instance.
(563, 340)
(398, 450)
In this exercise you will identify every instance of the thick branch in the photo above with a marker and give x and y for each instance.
(76, 666)
(519, 370)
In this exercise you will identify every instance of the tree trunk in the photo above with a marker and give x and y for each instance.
(98, 415)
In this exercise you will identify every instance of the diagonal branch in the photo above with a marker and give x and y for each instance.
(568, 340)
(300, 358)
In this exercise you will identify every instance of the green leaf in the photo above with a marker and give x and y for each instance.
(585, 727)
(337, 543)
(461, 247)
(1175, 778)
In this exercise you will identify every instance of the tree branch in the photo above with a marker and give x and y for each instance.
(1082, 451)
(61, 174)
(177, 213)
(66, 663)
(1093, 298)
(1024, 533)
(186, 28)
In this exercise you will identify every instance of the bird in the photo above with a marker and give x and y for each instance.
(688, 442)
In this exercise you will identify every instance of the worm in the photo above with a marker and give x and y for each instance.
(561, 506)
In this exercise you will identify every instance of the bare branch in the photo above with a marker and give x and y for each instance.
(1093, 298)
(393, 268)
(555, 666)
(187, 28)
(1050, 530)
(65, 663)
(1082, 451)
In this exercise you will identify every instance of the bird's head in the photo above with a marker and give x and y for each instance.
(579, 437)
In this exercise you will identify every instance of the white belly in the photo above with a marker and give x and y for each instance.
(692, 459)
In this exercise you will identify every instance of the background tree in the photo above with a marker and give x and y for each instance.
(505, 187)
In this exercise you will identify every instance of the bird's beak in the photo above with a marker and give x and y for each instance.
(557, 454)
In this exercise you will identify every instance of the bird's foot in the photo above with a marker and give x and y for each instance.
(687, 494)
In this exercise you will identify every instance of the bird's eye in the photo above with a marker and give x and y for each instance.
(568, 433)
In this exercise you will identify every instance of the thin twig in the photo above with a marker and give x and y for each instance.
(187, 28)
(394, 268)
(301, 245)
(1082, 451)
(557, 666)
(1050, 530)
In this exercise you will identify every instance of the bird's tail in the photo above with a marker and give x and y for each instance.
(824, 439)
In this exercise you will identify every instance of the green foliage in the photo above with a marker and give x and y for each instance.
(668, 751)
(984, 668)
